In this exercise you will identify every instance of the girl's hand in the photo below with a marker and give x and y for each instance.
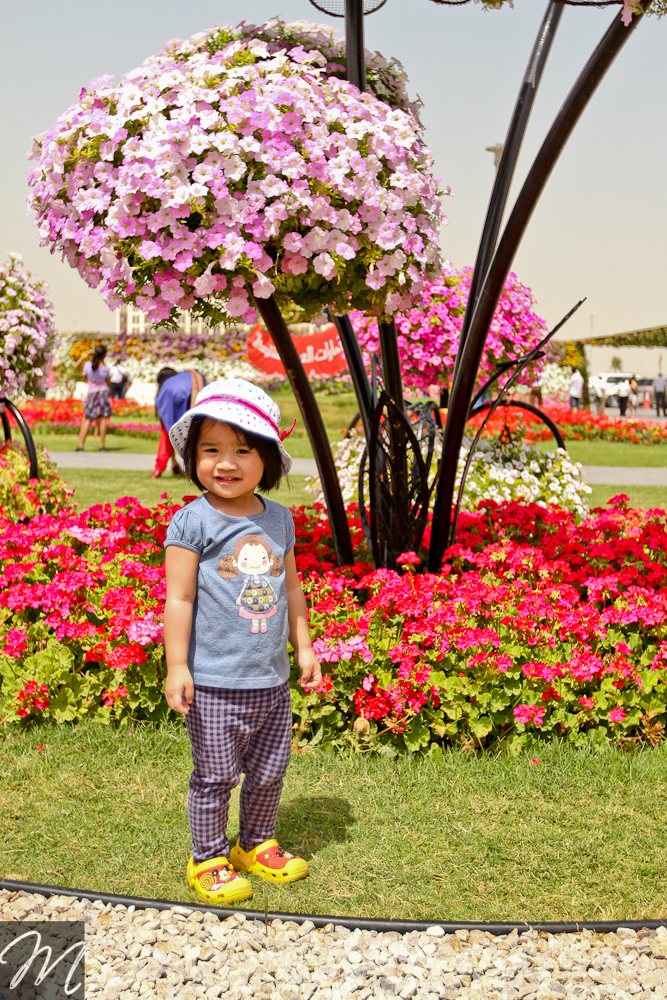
(179, 689)
(311, 672)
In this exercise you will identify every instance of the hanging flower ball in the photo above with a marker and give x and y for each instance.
(228, 166)
(27, 330)
(429, 332)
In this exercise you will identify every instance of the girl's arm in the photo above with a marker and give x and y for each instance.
(181, 567)
(299, 632)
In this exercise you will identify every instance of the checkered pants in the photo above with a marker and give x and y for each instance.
(231, 732)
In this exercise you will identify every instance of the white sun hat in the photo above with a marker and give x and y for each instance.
(236, 402)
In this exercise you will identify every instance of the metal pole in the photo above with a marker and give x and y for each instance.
(355, 364)
(391, 362)
(354, 43)
(312, 418)
(611, 44)
(508, 160)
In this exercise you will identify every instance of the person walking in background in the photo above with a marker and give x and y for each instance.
(576, 389)
(623, 393)
(119, 381)
(97, 407)
(176, 394)
(596, 393)
(634, 396)
(659, 386)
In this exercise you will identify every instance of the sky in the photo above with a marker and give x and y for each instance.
(598, 231)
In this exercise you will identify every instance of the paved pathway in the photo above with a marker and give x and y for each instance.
(611, 475)
(626, 475)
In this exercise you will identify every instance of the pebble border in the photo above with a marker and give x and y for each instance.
(182, 952)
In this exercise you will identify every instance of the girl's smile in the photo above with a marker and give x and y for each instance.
(227, 467)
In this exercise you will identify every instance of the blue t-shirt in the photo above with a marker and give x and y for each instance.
(173, 399)
(240, 625)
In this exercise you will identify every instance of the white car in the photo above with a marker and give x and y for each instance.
(610, 380)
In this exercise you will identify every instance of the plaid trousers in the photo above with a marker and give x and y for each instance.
(234, 731)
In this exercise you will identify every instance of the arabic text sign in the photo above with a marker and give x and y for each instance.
(321, 352)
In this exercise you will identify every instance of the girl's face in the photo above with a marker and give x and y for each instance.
(226, 466)
(254, 559)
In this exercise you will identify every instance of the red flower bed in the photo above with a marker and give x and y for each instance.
(63, 416)
(537, 627)
(576, 425)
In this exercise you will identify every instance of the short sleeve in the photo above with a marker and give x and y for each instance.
(87, 368)
(290, 535)
(186, 531)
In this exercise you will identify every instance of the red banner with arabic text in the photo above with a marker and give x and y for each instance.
(321, 352)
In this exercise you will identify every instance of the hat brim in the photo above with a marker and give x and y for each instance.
(230, 413)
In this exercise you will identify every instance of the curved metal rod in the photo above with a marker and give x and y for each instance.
(520, 364)
(462, 389)
(355, 363)
(508, 160)
(526, 359)
(531, 408)
(492, 407)
(27, 435)
(6, 426)
(312, 418)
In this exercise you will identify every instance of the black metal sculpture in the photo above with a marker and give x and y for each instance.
(482, 308)
(399, 488)
(6, 406)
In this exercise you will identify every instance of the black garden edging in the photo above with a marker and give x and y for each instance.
(364, 924)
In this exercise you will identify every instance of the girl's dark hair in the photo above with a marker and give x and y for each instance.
(163, 375)
(99, 354)
(267, 450)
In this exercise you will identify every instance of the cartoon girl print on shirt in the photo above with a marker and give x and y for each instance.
(257, 600)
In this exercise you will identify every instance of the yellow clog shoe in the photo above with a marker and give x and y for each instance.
(269, 861)
(217, 882)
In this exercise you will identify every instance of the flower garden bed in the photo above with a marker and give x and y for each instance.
(578, 425)
(63, 416)
(540, 626)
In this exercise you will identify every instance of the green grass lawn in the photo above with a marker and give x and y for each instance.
(640, 496)
(613, 453)
(577, 835)
(107, 485)
(114, 443)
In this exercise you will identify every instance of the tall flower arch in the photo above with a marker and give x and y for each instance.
(27, 329)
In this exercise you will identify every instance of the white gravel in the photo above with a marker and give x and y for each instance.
(184, 953)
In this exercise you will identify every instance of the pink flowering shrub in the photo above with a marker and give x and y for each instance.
(239, 163)
(81, 608)
(27, 329)
(429, 332)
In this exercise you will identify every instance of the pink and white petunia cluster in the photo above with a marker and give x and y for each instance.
(228, 167)
(27, 330)
(429, 332)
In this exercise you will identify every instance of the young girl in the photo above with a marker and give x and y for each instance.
(233, 600)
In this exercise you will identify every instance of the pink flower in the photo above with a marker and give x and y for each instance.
(16, 642)
(525, 714)
(617, 715)
(408, 559)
